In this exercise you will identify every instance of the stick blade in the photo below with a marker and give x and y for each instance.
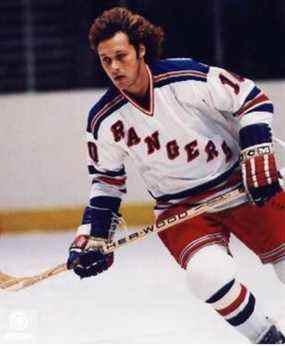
(14, 283)
(10, 283)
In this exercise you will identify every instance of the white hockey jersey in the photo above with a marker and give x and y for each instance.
(185, 144)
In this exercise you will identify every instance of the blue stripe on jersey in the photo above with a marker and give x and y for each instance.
(176, 70)
(172, 65)
(93, 170)
(178, 79)
(109, 95)
(244, 314)
(268, 107)
(103, 108)
(254, 92)
(198, 189)
(111, 110)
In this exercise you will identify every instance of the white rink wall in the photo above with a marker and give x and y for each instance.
(43, 162)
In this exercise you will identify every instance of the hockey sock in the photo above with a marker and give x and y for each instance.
(238, 307)
(279, 268)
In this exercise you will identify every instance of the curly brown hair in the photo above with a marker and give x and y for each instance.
(138, 29)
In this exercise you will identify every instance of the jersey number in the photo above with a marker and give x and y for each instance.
(233, 83)
(93, 152)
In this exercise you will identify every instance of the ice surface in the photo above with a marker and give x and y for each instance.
(143, 298)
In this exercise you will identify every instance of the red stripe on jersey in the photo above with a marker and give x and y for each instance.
(235, 304)
(105, 109)
(112, 181)
(179, 74)
(259, 99)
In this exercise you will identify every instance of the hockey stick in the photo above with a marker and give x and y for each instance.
(12, 283)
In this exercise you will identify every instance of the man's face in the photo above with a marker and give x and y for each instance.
(120, 61)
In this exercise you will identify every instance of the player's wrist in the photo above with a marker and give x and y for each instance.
(83, 229)
(99, 222)
(256, 151)
(254, 134)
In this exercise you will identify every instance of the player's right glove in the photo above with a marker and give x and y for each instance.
(85, 253)
(88, 261)
(258, 164)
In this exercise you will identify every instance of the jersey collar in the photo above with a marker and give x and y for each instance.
(150, 96)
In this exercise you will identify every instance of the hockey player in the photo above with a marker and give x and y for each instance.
(194, 132)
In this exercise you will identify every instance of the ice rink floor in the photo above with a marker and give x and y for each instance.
(143, 298)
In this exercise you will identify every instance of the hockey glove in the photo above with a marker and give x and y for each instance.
(88, 261)
(258, 164)
(98, 226)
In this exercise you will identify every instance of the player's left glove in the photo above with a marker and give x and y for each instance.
(258, 164)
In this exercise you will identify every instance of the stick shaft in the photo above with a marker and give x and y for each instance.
(174, 220)
(16, 283)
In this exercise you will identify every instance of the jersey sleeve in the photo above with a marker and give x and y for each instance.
(239, 96)
(108, 184)
(107, 172)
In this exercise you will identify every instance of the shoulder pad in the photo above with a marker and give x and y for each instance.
(174, 70)
(111, 101)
